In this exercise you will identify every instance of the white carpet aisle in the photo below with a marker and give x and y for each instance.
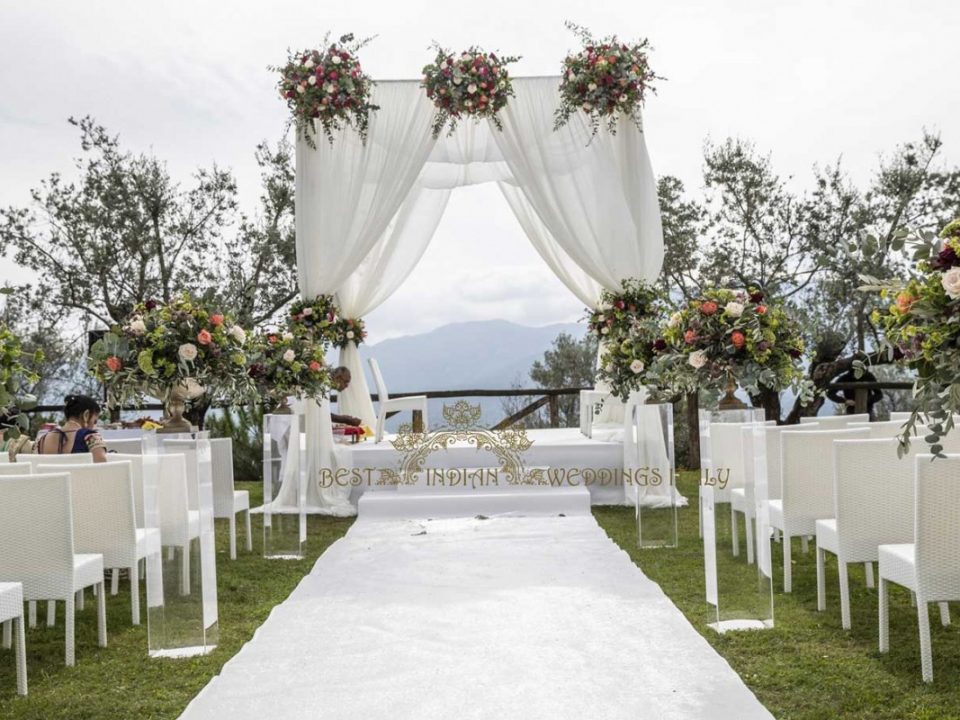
(512, 617)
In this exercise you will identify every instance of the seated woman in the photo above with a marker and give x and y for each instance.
(77, 434)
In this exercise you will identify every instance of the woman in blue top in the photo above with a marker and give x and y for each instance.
(77, 434)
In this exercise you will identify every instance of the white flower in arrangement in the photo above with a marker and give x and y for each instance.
(591, 87)
(444, 65)
(457, 80)
(734, 309)
(602, 318)
(587, 107)
(328, 88)
(675, 319)
(605, 330)
(609, 367)
(471, 88)
(350, 335)
(469, 103)
(188, 352)
(636, 367)
(503, 84)
(137, 326)
(466, 57)
(697, 359)
(238, 334)
(289, 356)
(308, 311)
(951, 283)
(309, 63)
(301, 89)
(336, 60)
(288, 336)
(312, 79)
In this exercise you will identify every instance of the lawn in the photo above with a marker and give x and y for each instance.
(806, 668)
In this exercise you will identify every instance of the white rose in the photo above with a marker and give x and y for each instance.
(675, 319)
(238, 334)
(301, 89)
(328, 88)
(312, 79)
(336, 60)
(469, 103)
(951, 283)
(601, 318)
(466, 58)
(289, 356)
(636, 366)
(605, 330)
(457, 80)
(137, 326)
(288, 336)
(587, 107)
(610, 367)
(188, 352)
(350, 335)
(443, 65)
(697, 359)
(471, 88)
(309, 63)
(734, 309)
(307, 311)
(591, 87)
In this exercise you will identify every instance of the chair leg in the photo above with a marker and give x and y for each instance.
(102, 616)
(51, 613)
(844, 594)
(804, 544)
(748, 521)
(233, 536)
(81, 598)
(249, 532)
(32, 612)
(115, 581)
(884, 615)
(944, 614)
(69, 619)
(926, 656)
(185, 569)
(734, 532)
(787, 565)
(135, 595)
(868, 571)
(21, 657)
(7, 634)
(821, 584)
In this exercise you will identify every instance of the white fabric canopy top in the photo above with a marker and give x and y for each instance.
(366, 212)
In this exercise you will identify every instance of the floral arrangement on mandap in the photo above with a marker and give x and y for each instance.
(181, 345)
(17, 373)
(328, 86)
(922, 329)
(347, 330)
(473, 84)
(607, 79)
(285, 364)
(627, 323)
(726, 336)
(316, 318)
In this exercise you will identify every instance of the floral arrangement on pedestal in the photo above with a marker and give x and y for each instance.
(607, 79)
(285, 364)
(17, 372)
(729, 336)
(316, 317)
(346, 330)
(327, 86)
(922, 329)
(627, 324)
(473, 84)
(181, 349)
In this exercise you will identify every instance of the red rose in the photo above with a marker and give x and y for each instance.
(738, 339)
(204, 337)
(114, 363)
(708, 308)
(216, 320)
(315, 366)
(619, 304)
(272, 339)
(689, 337)
(761, 309)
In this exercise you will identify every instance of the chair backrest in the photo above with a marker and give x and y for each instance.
(68, 459)
(830, 422)
(126, 446)
(773, 445)
(36, 534)
(173, 498)
(378, 379)
(873, 496)
(887, 428)
(15, 468)
(187, 448)
(936, 521)
(136, 475)
(726, 452)
(221, 470)
(104, 520)
(806, 470)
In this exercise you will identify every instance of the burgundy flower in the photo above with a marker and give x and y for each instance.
(946, 259)
(794, 353)
(756, 297)
(659, 345)
(257, 371)
(150, 304)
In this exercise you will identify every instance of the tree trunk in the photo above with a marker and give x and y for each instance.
(693, 431)
(769, 400)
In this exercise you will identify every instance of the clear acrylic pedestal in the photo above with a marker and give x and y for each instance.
(739, 594)
(185, 622)
(654, 476)
(284, 489)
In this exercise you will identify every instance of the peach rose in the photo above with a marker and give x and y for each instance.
(689, 337)
(204, 337)
(114, 363)
(216, 320)
(738, 339)
(708, 308)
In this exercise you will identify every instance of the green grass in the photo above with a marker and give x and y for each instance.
(120, 681)
(807, 667)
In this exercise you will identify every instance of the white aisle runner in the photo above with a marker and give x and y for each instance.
(511, 617)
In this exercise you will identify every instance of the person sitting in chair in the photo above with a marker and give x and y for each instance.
(341, 379)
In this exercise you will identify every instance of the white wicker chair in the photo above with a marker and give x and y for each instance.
(888, 428)
(227, 500)
(11, 615)
(930, 566)
(36, 534)
(68, 459)
(16, 468)
(806, 470)
(136, 475)
(105, 521)
(835, 422)
(179, 524)
(387, 404)
(125, 446)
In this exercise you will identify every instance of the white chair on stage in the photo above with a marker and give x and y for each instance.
(105, 521)
(387, 404)
(11, 615)
(806, 464)
(16, 468)
(227, 500)
(36, 534)
(126, 446)
(833, 422)
(930, 565)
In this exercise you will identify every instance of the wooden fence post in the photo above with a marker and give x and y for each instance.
(693, 430)
(554, 411)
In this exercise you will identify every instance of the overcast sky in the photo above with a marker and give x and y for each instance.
(807, 80)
